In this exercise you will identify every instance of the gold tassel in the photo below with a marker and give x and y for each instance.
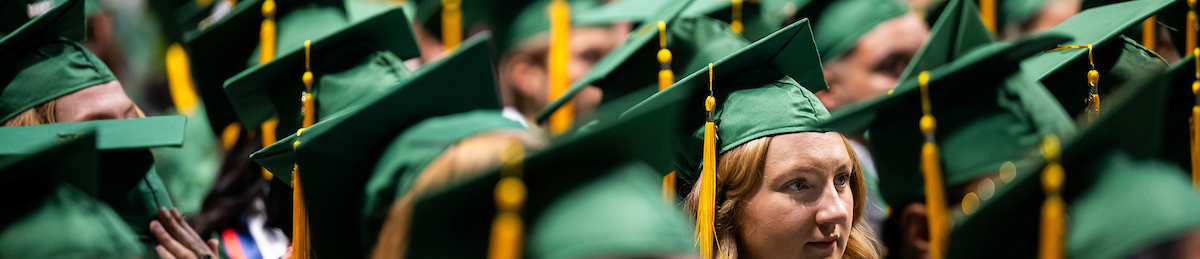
(268, 138)
(230, 134)
(179, 80)
(987, 13)
(1149, 33)
(560, 53)
(507, 239)
(666, 77)
(1053, 209)
(1195, 136)
(300, 239)
(935, 196)
(266, 36)
(1191, 25)
(452, 33)
(706, 235)
(735, 21)
(668, 188)
(1093, 78)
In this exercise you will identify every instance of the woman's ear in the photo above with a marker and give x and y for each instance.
(914, 231)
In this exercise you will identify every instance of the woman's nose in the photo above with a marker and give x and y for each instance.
(833, 210)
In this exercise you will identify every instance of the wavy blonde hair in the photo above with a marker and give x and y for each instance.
(41, 114)
(740, 170)
(463, 161)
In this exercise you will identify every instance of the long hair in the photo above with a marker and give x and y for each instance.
(41, 114)
(739, 170)
(461, 162)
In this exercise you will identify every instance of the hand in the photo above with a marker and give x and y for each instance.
(177, 240)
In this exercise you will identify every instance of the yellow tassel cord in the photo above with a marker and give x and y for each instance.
(230, 134)
(268, 138)
(1149, 36)
(301, 245)
(452, 33)
(266, 36)
(1195, 136)
(935, 196)
(1195, 121)
(560, 27)
(1093, 78)
(668, 188)
(179, 79)
(508, 228)
(666, 77)
(987, 13)
(706, 235)
(735, 21)
(1053, 209)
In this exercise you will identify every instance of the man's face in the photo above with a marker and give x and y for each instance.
(588, 46)
(874, 65)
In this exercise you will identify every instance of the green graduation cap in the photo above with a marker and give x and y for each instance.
(58, 216)
(128, 181)
(1178, 105)
(356, 63)
(978, 128)
(1105, 175)
(633, 68)
(637, 12)
(589, 196)
(61, 65)
(837, 25)
(408, 155)
(748, 18)
(1117, 59)
(336, 156)
(958, 31)
(225, 47)
(759, 92)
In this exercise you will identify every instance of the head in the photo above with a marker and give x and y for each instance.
(906, 231)
(795, 195)
(98, 102)
(1047, 16)
(524, 74)
(873, 66)
(461, 162)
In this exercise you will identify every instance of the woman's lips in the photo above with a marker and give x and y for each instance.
(826, 244)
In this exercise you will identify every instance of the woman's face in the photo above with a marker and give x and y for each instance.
(803, 207)
(99, 102)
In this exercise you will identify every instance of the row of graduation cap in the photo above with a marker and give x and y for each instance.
(364, 98)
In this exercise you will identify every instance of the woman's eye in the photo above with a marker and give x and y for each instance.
(798, 185)
(841, 180)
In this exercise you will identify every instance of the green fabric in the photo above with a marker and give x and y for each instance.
(189, 171)
(44, 60)
(958, 31)
(128, 182)
(1118, 59)
(588, 196)
(693, 43)
(756, 24)
(407, 156)
(69, 224)
(1177, 111)
(637, 12)
(980, 127)
(64, 20)
(837, 25)
(514, 22)
(758, 92)
(1101, 163)
(336, 156)
(349, 65)
(58, 216)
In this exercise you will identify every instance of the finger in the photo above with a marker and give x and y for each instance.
(163, 253)
(212, 244)
(182, 222)
(166, 241)
(180, 231)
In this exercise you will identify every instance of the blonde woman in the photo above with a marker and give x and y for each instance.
(780, 187)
